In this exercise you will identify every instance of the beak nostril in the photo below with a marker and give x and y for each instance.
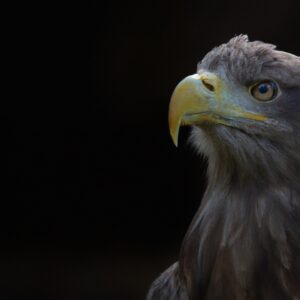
(208, 85)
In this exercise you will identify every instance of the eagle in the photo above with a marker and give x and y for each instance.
(243, 106)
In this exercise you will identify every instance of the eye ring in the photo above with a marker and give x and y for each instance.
(264, 91)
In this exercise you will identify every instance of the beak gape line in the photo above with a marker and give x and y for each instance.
(200, 98)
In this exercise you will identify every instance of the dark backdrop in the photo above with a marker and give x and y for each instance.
(98, 197)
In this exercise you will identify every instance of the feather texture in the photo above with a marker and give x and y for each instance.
(244, 241)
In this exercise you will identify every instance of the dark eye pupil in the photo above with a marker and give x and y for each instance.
(263, 88)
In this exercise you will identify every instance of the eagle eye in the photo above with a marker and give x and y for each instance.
(264, 90)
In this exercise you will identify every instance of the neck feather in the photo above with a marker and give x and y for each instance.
(248, 223)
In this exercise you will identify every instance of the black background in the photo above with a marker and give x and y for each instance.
(98, 198)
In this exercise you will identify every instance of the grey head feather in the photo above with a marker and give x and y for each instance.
(272, 151)
(248, 61)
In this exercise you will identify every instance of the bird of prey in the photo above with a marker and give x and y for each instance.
(244, 242)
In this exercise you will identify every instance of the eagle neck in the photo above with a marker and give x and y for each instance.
(239, 227)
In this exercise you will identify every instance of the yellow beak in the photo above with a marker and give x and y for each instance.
(202, 98)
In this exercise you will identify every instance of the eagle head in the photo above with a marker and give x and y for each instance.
(244, 106)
